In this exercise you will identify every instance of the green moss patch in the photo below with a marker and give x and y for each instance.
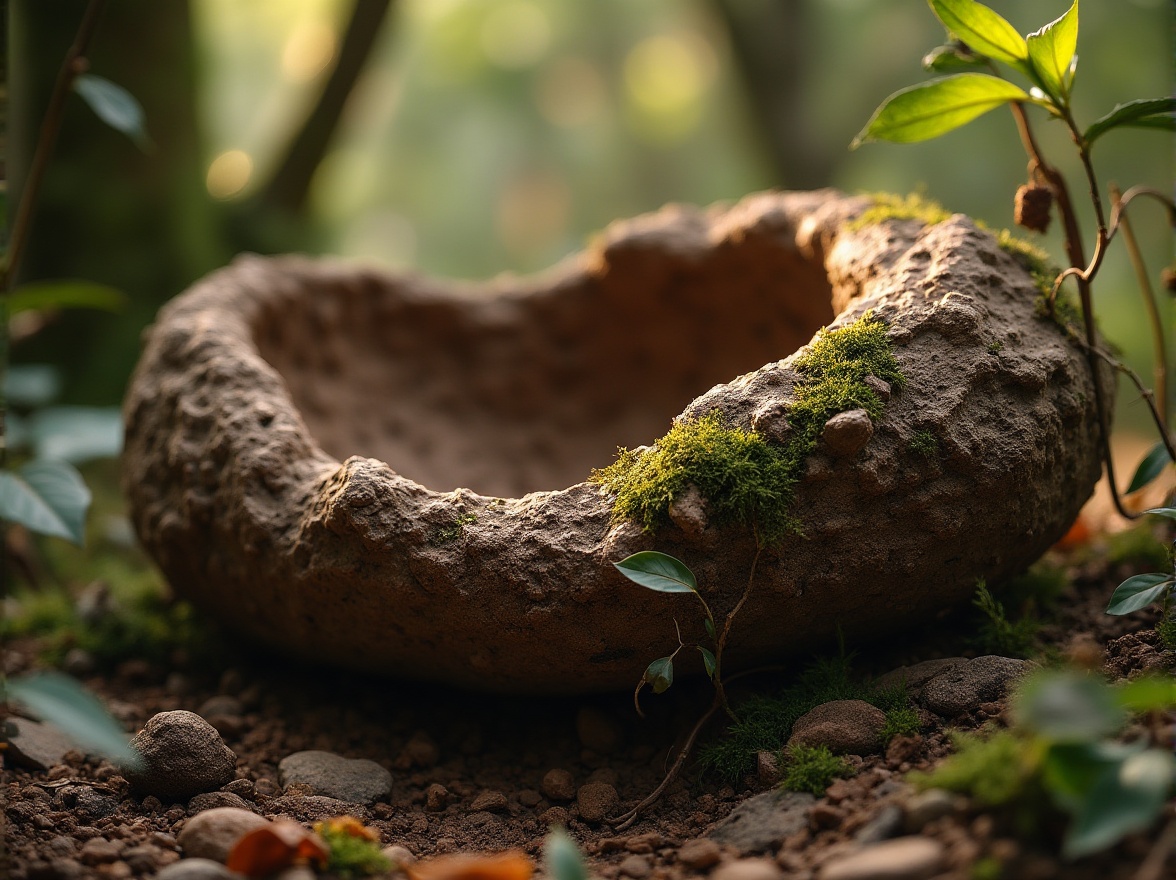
(813, 769)
(746, 478)
(889, 206)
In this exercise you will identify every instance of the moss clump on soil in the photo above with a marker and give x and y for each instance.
(900, 721)
(889, 206)
(765, 722)
(925, 443)
(354, 850)
(999, 635)
(746, 478)
(813, 769)
(993, 771)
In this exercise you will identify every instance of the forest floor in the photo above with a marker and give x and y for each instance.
(473, 773)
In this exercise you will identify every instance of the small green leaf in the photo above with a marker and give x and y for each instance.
(1125, 798)
(1169, 512)
(982, 30)
(32, 385)
(59, 700)
(1071, 769)
(1145, 113)
(1139, 592)
(952, 58)
(563, 858)
(660, 674)
(931, 109)
(1069, 707)
(658, 571)
(1148, 693)
(48, 497)
(114, 105)
(77, 433)
(708, 661)
(1051, 52)
(65, 295)
(710, 629)
(1152, 466)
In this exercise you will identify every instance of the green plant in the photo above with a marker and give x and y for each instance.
(925, 443)
(562, 856)
(1047, 59)
(1063, 753)
(353, 850)
(1144, 589)
(900, 721)
(745, 478)
(813, 768)
(999, 635)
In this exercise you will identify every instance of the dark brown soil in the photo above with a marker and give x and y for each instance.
(470, 744)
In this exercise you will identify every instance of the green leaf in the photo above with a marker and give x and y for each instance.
(1127, 797)
(114, 105)
(77, 433)
(952, 58)
(48, 497)
(931, 109)
(660, 674)
(1069, 707)
(1051, 52)
(65, 295)
(710, 629)
(982, 30)
(1139, 592)
(563, 858)
(658, 571)
(1152, 466)
(31, 385)
(1070, 770)
(1145, 113)
(1148, 693)
(1169, 512)
(59, 700)
(708, 661)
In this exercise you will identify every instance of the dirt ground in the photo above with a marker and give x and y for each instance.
(468, 769)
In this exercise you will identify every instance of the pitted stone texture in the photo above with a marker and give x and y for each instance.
(845, 727)
(180, 755)
(964, 687)
(296, 428)
(357, 780)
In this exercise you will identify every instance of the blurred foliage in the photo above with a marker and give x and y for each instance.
(497, 135)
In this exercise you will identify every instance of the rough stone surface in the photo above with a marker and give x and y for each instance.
(181, 755)
(847, 727)
(905, 858)
(915, 676)
(356, 780)
(275, 490)
(763, 822)
(35, 745)
(196, 869)
(596, 800)
(748, 869)
(559, 784)
(964, 687)
(213, 833)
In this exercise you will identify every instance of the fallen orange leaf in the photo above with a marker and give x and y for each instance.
(512, 865)
(1078, 535)
(349, 826)
(272, 847)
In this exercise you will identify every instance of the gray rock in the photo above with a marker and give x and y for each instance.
(253, 469)
(92, 803)
(355, 780)
(596, 801)
(905, 858)
(181, 755)
(885, 825)
(965, 686)
(927, 806)
(197, 869)
(35, 745)
(213, 833)
(917, 675)
(847, 727)
(763, 822)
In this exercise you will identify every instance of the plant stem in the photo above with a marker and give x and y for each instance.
(1160, 370)
(720, 692)
(75, 65)
(1077, 258)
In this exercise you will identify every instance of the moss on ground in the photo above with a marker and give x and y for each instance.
(746, 478)
(812, 769)
(925, 443)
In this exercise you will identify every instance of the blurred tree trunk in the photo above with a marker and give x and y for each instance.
(109, 212)
(771, 41)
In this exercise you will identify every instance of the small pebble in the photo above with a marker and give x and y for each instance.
(558, 785)
(99, 851)
(635, 866)
(180, 755)
(555, 816)
(927, 806)
(490, 801)
(197, 869)
(528, 797)
(213, 833)
(436, 797)
(748, 869)
(399, 855)
(905, 858)
(355, 780)
(700, 853)
(210, 800)
(596, 800)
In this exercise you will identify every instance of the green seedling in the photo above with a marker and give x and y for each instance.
(998, 634)
(1144, 589)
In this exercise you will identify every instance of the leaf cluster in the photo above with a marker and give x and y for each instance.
(1144, 589)
(1062, 753)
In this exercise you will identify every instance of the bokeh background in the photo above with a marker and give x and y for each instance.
(472, 137)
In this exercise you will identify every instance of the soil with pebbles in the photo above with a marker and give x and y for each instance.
(477, 773)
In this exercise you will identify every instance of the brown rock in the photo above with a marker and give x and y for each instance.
(905, 858)
(847, 727)
(700, 853)
(180, 755)
(436, 797)
(213, 833)
(596, 800)
(266, 477)
(489, 801)
(558, 785)
(965, 687)
(847, 433)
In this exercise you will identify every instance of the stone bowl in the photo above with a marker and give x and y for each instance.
(389, 473)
